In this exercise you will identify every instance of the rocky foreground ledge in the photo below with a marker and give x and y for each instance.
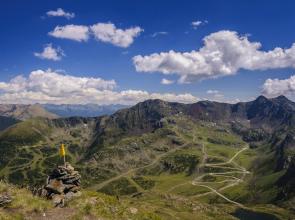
(62, 185)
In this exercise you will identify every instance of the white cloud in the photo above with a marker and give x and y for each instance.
(166, 81)
(50, 53)
(159, 33)
(104, 32)
(196, 24)
(72, 32)
(107, 32)
(55, 84)
(276, 87)
(224, 53)
(52, 87)
(60, 13)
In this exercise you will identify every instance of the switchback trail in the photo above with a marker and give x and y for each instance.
(232, 180)
(221, 195)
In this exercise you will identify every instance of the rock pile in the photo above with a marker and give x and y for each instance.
(62, 185)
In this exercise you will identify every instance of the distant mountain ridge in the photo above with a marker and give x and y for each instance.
(87, 110)
(23, 112)
(51, 111)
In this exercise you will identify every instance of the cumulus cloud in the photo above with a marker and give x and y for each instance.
(224, 53)
(52, 87)
(60, 13)
(166, 81)
(73, 32)
(107, 32)
(276, 87)
(50, 53)
(104, 32)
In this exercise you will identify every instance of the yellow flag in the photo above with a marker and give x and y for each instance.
(62, 151)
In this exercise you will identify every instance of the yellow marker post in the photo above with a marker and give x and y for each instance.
(62, 152)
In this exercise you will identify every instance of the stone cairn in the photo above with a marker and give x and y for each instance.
(62, 185)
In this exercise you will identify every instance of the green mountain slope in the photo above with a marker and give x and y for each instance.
(214, 153)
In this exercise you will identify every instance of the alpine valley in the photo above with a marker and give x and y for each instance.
(160, 160)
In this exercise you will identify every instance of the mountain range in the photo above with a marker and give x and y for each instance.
(23, 112)
(155, 152)
(12, 113)
(87, 110)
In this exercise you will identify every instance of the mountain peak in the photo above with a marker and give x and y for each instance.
(281, 98)
(261, 99)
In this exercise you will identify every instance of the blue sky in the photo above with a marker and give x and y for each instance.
(25, 26)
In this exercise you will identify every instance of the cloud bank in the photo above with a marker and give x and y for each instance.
(50, 53)
(52, 87)
(104, 32)
(224, 53)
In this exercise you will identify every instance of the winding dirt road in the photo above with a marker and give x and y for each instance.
(232, 180)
